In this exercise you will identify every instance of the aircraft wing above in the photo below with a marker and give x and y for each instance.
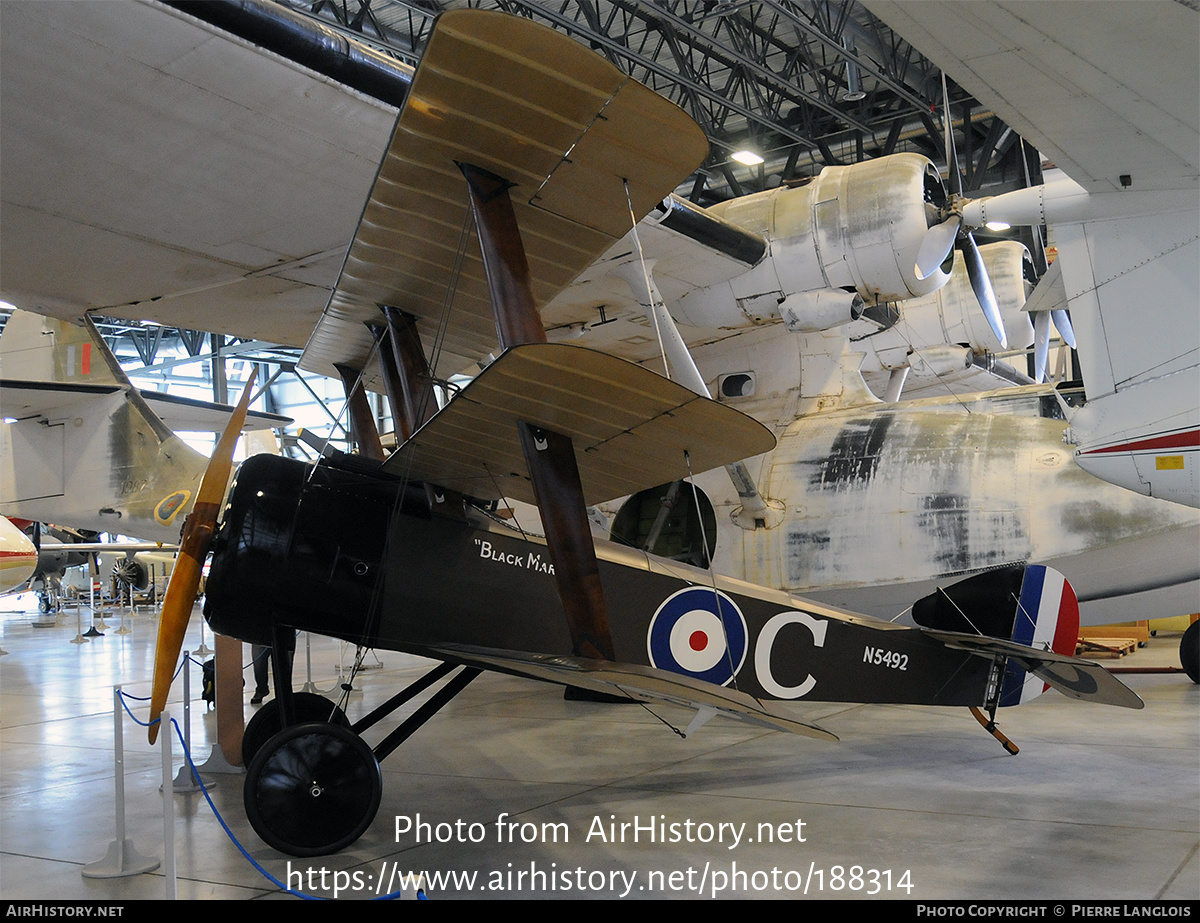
(232, 178)
(1101, 89)
(570, 136)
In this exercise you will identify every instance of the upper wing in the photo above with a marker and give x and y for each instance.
(1102, 89)
(571, 131)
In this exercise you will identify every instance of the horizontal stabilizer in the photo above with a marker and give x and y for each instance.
(644, 684)
(24, 399)
(184, 414)
(125, 548)
(629, 425)
(1079, 679)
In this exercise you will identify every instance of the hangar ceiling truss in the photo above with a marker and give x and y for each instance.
(806, 84)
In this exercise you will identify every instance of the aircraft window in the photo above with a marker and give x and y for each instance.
(664, 520)
(739, 384)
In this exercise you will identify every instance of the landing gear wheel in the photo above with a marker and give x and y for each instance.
(266, 722)
(1189, 652)
(312, 789)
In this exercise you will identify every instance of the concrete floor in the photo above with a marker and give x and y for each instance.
(1101, 802)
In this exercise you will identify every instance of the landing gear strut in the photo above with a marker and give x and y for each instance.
(988, 721)
(313, 787)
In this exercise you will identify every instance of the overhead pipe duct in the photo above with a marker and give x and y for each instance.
(307, 42)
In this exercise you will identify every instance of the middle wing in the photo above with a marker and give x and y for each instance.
(630, 426)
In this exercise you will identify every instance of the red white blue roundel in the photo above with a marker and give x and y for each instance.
(698, 632)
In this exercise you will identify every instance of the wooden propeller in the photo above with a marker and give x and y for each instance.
(185, 578)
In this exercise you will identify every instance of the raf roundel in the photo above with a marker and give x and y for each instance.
(699, 632)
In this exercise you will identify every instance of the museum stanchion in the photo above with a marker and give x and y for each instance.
(97, 617)
(122, 858)
(124, 629)
(171, 884)
(203, 650)
(79, 636)
(309, 685)
(185, 780)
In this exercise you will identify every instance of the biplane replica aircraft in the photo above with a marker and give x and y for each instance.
(550, 154)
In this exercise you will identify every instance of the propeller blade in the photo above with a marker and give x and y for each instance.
(185, 577)
(936, 246)
(1041, 345)
(982, 286)
(952, 171)
(1062, 320)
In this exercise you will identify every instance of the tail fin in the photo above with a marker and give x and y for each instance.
(83, 447)
(45, 349)
(1047, 618)
(1028, 615)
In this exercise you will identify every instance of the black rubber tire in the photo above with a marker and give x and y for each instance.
(266, 724)
(1189, 652)
(312, 789)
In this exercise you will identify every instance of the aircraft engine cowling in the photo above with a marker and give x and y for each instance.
(809, 312)
(854, 228)
(300, 547)
(868, 221)
(1010, 268)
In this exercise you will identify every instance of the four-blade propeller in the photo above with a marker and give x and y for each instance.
(951, 232)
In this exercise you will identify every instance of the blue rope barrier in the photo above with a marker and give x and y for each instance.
(224, 826)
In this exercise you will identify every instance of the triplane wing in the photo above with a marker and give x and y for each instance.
(573, 134)
(636, 682)
(629, 425)
(550, 154)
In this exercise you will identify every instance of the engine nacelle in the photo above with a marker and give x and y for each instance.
(939, 361)
(809, 312)
(856, 228)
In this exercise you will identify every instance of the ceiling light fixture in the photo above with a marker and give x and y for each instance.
(747, 157)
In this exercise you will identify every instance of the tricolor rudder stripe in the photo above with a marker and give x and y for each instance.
(1047, 618)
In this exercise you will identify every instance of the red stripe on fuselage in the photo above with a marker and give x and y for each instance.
(1189, 439)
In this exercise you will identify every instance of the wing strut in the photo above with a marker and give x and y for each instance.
(416, 405)
(550, 456)
(362, 422)
(408, 382)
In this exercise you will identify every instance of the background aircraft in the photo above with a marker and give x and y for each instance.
(18, 556)
(218, 265)
(366, 547)
(1118, 111)
(80, 445)
(122, 566)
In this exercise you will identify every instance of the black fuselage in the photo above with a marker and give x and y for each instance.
(341, 550)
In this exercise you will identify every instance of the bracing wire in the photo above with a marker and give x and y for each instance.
(662, 350)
